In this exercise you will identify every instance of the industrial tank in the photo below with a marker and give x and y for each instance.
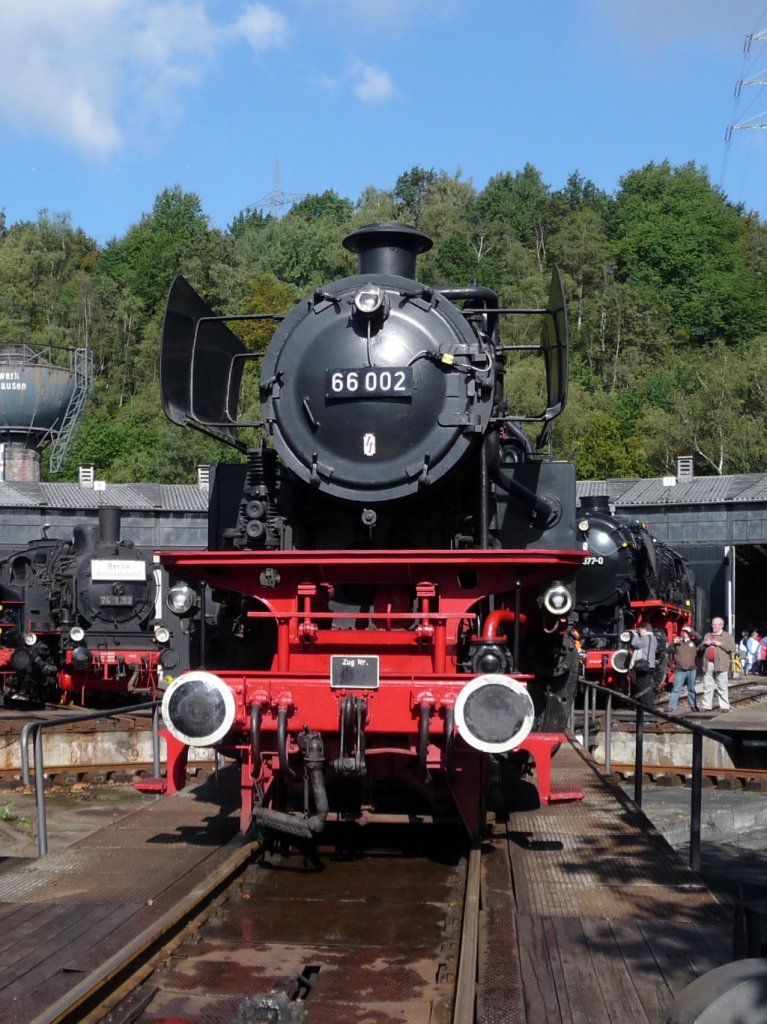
(40, 404)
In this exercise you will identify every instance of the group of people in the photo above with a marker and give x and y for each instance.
(715, 649)
(752, 648)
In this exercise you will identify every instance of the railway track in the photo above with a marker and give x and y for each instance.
(723, 778)
(743, 692)
(336, 933)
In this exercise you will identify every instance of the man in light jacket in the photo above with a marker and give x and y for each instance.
(643, 663)
(717, 648)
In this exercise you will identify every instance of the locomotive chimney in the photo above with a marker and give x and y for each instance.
(388, 248)
(595, 503)
(109, 524)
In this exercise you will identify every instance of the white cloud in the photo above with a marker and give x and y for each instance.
(660, 24)
(368, 83)
(83, 70)
(371, 83)
(262, 27)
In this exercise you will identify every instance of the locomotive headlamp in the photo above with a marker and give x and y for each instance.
(77, 633)
(557, 599)
(368, 300)
(161, 634)
(198, 708)
(583, 526)
(180, 599)
(494, 713)
(625, 636)
(30, 639)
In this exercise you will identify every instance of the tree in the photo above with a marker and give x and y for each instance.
(40, 264)
(176, 238)
(582, 250)
(517, 206)
(677, 238)
(410, 191)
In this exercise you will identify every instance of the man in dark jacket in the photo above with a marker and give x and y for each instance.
(685, 653)
(717, 647)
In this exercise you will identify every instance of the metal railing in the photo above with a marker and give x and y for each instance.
(35, 730)
(590, 691)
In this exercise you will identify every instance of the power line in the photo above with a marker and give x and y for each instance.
(276, 201)
(759, 121)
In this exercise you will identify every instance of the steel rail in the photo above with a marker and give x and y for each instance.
(464, 1003)
(756, 774)
(99, 984)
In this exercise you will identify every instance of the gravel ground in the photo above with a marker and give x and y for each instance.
(733, 836)
(71, 812)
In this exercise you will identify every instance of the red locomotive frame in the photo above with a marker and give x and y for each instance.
(408, 717)
(610, 667)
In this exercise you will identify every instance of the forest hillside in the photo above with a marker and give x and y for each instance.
(666, 283)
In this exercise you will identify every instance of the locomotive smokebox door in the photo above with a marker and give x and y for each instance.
(374, 390)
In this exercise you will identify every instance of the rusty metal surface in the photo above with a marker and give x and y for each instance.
(377, 933)
(499, 988)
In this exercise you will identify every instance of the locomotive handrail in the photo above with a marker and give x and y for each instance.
(36, 729)
(698, 733)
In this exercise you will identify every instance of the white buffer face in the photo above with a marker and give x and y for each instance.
(494, 713)
(198, 709)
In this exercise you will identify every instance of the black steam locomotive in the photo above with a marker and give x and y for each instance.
(393, 560)
(80, 619)
(628, 577)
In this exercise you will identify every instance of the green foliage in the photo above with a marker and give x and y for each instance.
(410, 192)
(667, 301)
(677, 238)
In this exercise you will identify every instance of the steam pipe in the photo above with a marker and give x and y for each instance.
(282, 742)
(484, 501)
(495, 620)
(109, 524)
(388, 248)
(255, 734)
(541, 507)
(423, 738)
(450, 741)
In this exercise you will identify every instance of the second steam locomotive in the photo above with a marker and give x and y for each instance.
(628, 578)
(392, 562)
(81, 619)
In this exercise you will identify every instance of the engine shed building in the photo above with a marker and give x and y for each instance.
(719, 524)
(154, 516)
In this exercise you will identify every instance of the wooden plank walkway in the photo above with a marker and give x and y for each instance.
(64, 916)
(607, 922)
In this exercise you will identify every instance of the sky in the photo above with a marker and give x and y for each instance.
(105, 103)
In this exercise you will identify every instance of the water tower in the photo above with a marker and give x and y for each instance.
(40, 404)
